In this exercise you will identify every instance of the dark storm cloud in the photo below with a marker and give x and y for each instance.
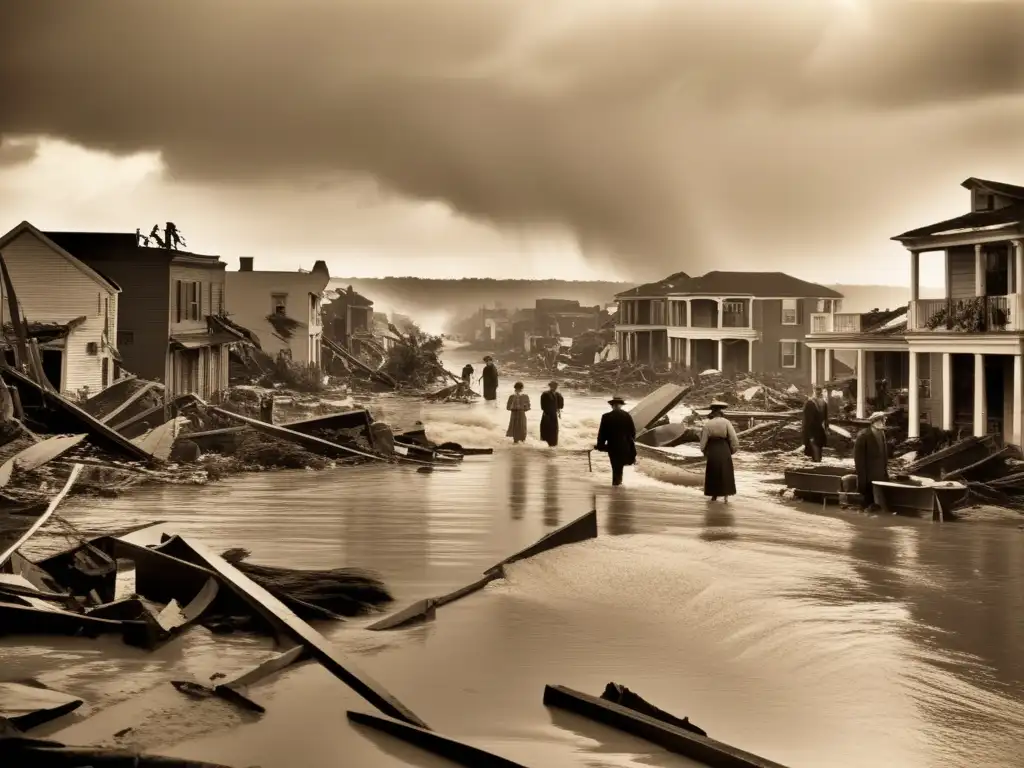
(633, 124)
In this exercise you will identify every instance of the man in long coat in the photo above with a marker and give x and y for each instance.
(617, 437)
(551, 404)
(871, 458)
(815, 427)
(490, 379)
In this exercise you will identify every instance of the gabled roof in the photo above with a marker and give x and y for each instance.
(670, 284)
(768, 284)
(995, 219)
(994, 187)
(84, 268)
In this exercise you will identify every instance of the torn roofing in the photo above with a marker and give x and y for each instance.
(114, 244)
(49, 242)
(994, 219)
(777, 285)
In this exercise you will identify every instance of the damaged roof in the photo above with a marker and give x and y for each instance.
(995, 187)
(777, 285)
(58, 247)
(115, 244)
(973, 221)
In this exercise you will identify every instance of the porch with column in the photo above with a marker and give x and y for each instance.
(829, 355)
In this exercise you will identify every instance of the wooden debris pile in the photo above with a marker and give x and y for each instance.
(993, 475)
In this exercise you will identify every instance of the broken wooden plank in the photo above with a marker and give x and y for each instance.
(41, 520)
(50, 754)
(705, 750)
(108, 418)
(314, 444)
(28, 703)
(17, 322)
(450, 749)
(37, 455)
(102, 435)
(159, 441)
(349, 357)
(657, 404)
(424, 610)
(582, 528)
(278, 614)
(28, 620)
(174, 617)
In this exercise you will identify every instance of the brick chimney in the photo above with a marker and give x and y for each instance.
(245, 264)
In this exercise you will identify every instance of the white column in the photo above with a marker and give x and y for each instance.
(828, 365)
(980, 422)
(814, 368)
(915, 260)
(721, 319)
(720, 354)
(947, 391)
(862, 383)
(914, 414)
(1018, 266)
(688, 322)
(1018, 382)
(750, 314)
(750, 355)
(979, 271)
(689, 359)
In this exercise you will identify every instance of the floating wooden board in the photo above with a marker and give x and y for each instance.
(41, 520)
(29, 704)
(450, 749)
(657, 404)
(174, 617)
(27, 620)
(47, 754)
(580, 529)
(712, 753)
(423, 610)
(278, 614)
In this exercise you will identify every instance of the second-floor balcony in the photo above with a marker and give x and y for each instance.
(836, 322)
(974, 314)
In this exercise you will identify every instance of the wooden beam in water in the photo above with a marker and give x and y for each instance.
(54, 503)
(278, 614)
(712, 753)
(580, 529)
(450, 749)
(424, 610)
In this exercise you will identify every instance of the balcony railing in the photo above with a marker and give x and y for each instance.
(976, 314)
(735, 320)
(835, 322)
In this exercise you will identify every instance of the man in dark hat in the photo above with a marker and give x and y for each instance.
(490, 379)
(551, 404)
(617, 437)
(815, 424)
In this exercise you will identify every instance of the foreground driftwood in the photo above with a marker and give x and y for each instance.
(580, 529)
(278, 614)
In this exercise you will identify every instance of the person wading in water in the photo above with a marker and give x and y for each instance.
(467, 375)
(718, 442)
(518, 404)
(490, 380)
(815, 426)
(551, 404)
(871, 458)
(617, 437)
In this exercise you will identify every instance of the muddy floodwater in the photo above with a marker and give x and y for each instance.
(814, 639)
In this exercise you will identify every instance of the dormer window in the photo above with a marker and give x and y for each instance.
(986, 202)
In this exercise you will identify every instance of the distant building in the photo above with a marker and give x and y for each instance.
(164, 327)
(727, 321)
(283, 308)
(959, 356)
(347, 316)
(565, 318)
(71, 310)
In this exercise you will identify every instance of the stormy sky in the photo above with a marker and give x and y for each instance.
(519, 138)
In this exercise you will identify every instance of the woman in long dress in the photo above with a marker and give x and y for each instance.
(518, 405)
(718, 442)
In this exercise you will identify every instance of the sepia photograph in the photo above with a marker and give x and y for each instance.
(511, 383)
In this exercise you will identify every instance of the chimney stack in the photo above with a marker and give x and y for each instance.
(321, 266)
(245, 264)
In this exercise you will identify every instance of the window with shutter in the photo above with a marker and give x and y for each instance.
(788, 353)
(179, 300)
(789, 312)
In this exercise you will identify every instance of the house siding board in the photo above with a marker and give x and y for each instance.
(142, 307)
(50, 288)
(768, 319)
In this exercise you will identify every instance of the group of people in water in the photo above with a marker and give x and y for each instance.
(518, 404)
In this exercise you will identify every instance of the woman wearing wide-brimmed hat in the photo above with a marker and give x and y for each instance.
(518, 405)
(617, 437)
(718, 442)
